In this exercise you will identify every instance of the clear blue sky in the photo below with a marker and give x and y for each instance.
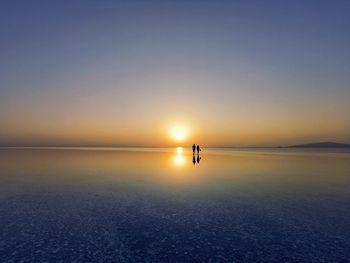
(122, 72)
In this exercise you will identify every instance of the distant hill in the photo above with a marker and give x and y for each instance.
(321, 145)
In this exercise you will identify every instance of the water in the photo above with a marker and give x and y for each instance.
(155, 205)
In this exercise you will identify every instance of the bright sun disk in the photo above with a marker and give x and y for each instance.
(179, 133)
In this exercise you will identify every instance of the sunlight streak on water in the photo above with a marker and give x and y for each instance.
(179, 150)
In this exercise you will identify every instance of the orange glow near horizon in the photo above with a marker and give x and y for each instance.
(210, 129)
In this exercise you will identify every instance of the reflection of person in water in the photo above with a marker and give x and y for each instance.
(198, 159)
(193, 148)
(194, 160)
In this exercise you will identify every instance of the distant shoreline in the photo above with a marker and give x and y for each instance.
(321, 145)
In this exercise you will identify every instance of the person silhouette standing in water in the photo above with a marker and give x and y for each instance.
(198, 149)
(193, 148)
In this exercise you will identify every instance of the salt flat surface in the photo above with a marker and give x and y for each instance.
(140, 205)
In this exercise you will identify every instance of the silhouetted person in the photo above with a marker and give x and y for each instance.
(198, 159)
(194, 159)
(198, 149)
(193, 148)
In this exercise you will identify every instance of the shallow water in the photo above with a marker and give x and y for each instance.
(155, 205)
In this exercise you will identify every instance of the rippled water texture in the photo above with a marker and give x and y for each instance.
(156, 205)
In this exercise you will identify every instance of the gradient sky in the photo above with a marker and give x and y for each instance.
(234, 73)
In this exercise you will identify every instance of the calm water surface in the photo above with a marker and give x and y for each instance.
(155, 205)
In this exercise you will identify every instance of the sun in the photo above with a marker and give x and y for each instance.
(179, 133)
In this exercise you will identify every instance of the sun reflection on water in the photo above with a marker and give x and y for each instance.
(179, 150)
(178, 159)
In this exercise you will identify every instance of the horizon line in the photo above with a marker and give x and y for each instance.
(142, 146)
(133, 146)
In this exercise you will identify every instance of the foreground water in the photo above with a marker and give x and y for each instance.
(156, 205)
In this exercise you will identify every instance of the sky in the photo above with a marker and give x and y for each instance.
(127, 73)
